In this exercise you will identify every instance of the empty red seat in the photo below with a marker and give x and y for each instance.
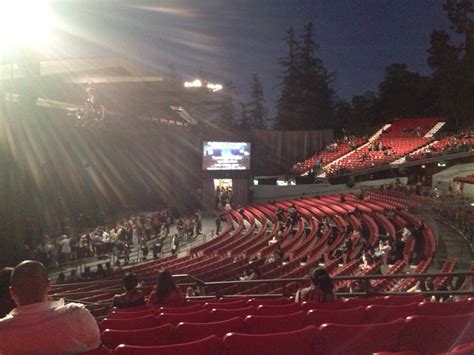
(270, 301)
(436, 334)
(276, 310)
(174, 318)
(274, 324)
(299, 342)
(445, 309)
(357, 302)
(129, 323)
(317, 317)
(130, 309)
(208, 346)
(359, 339)
(306, 306)
(186, 309)
(161, 335)
(223, 314)
(124, 315)
(464, 349)
(186, 332)
(226, 305)
(399, 300)
(381, 314)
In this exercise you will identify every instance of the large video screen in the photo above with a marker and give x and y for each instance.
(226, 156)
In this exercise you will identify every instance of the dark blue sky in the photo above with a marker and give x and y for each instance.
(231, 39)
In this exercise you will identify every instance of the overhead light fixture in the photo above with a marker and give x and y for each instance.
(193, 84)
(196, 83)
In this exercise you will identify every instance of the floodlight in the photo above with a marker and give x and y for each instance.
(24, 23)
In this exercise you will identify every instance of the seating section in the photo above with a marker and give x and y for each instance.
(377, 324)
(247, 235)
(444, 146)
(466, 179)
(402, 138)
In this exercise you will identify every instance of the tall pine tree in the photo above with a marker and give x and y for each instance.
(288, 101)
(306, 99)
(316, 108)
(257, 111)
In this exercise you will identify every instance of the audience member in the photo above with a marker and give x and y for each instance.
(321, 289)
(39, 326)
(131, 297)
(166, 292)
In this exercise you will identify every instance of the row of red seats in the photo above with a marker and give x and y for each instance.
(451, 324)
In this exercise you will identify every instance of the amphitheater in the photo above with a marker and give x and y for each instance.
(280, 225)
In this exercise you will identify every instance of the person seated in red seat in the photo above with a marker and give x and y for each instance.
(39, 326)
(321, 289)
(166, 292)
(131, 297)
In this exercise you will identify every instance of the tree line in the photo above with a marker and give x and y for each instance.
(307, 99)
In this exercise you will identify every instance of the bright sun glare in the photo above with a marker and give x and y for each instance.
(24, 23)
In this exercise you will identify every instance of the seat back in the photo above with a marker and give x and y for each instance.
(400, 300)
(186, 332)
(130, 309)
(274, 324)
(148, 321)
(381, 314)
(276, 310)
(125, 315)
(208, 346)
(223, 314)
(160, 335)
(359, 339)
(299, 342)
(185, 309)
(270, 301)
(226, 305)
(357, 302)
(174, 318)
(445, 309)
(306, 306)
(317, 317)
(437, 334)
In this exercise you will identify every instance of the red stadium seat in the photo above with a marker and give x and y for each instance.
(126, 315)
(274, 324)
(129, 323)
(317, 317)
(359, 339)
(276, 310)
(186, 332)
(381, 314)
(226, 305)
(357, 302)
(186, 309)
(436, 334)
(130, 309)
(161, 335)
(306, 306)
(299, 342)
(445, 309)
(399, 300)
(223, 314)
(464, 349)
(272, 301)
(174, 318)
(208, 346)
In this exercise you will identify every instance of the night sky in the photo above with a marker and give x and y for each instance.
(230, 40)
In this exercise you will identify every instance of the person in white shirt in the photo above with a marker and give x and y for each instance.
(65, 248)
(38, 326)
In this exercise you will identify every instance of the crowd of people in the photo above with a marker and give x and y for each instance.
(145, 232)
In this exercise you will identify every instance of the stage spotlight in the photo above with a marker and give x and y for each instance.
(24, 23)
